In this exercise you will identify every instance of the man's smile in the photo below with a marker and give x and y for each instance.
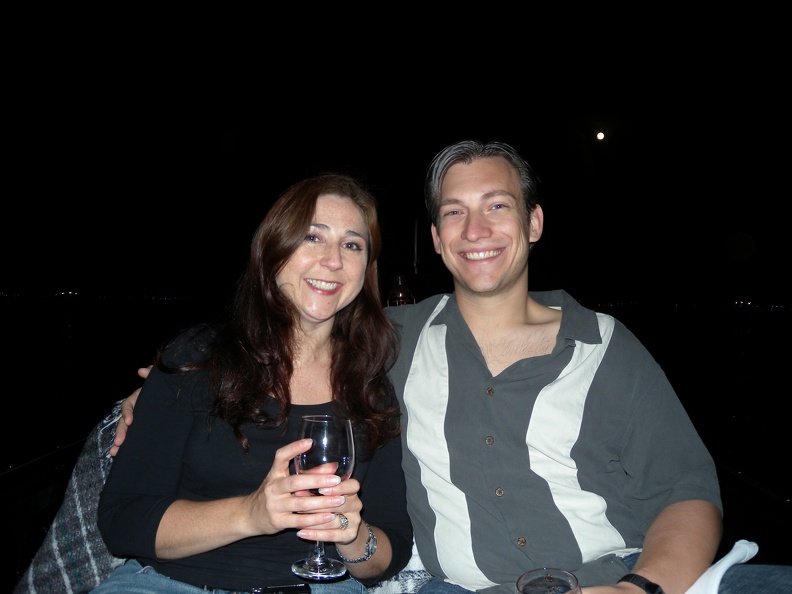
(481, 255)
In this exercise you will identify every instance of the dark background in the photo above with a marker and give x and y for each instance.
(681, 204)
(136, 172)
(143, 147)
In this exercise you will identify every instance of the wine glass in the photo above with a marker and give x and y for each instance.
(332, 444)
(547, 580)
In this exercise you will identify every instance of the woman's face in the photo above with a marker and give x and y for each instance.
(327, 271)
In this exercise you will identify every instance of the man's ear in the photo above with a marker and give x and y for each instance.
(535, 224)
(435, 239)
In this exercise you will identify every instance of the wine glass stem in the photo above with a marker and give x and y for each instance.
(318, 561)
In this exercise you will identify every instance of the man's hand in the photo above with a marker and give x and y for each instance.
(127, 408)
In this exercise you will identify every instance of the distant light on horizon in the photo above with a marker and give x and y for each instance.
(600, 135)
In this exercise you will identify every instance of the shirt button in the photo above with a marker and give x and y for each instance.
(490, 391)
(521, 541)
(489, 440)
(499, 492)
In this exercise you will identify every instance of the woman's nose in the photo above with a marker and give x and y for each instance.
(332, 258)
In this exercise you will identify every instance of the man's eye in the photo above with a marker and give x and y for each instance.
(450, 212)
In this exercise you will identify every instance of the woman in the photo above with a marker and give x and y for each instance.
(201, 494)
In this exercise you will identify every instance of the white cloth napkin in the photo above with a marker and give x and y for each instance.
(742, 551)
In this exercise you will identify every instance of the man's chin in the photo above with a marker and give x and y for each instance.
(477, 286)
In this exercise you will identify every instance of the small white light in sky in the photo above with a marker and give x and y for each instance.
(600, 135)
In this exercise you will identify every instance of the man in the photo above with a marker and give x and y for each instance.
(525, 415)
(537, 432)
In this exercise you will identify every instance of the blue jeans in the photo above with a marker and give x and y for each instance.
(132, 578)
(754, 578)
(743, 578)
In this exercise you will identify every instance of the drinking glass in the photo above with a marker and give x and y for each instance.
(333, 443)
(547, 580)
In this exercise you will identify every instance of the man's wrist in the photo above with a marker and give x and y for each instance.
(642, 582)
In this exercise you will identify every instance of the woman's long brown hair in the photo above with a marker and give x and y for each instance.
(251, 356)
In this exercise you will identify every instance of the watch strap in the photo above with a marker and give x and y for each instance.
(643, 583)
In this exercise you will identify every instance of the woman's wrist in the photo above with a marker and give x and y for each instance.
(370, 547)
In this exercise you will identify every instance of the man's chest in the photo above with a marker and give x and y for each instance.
(501, 350)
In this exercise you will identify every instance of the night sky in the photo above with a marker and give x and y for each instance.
(680, 203)
(141, 153)
(139, 159)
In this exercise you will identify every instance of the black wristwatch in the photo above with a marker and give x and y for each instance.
(643, 583)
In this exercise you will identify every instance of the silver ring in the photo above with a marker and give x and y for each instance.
(344, 522)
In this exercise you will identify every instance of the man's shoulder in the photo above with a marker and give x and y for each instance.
(416, 313)
(556, 298)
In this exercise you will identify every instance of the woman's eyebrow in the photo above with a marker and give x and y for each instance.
(324, 227)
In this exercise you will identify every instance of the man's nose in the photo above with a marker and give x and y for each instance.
(476, 227)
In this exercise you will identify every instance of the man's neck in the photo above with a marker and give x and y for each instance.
(509, 326)
(502, 309)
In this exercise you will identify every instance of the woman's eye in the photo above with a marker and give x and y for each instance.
(353, 246)
(311, 238)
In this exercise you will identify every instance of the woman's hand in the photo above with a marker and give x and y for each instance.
(279, 503)
(283, 500)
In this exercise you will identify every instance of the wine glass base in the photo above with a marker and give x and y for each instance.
(330, 570)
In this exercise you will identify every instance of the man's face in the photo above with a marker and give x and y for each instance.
(483, 235)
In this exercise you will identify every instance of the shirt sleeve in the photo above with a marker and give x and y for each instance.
(144, 478)
(663, 455)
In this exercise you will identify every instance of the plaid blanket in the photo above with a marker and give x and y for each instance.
(73, 558)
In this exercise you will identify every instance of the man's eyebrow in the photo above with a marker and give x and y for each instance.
(496, 193)
(485, 196)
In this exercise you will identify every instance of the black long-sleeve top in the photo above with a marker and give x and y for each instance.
(176, 450)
